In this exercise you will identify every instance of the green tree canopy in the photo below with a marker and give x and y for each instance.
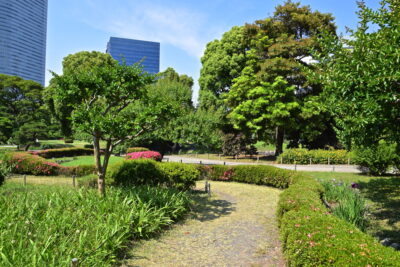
(101, 99)
(22, 115)
(361, 77)
(73, 63)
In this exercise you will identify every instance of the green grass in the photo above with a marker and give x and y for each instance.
(50, 225)
(87, 160)
(382, 196)
(263, 146)
(76, 143)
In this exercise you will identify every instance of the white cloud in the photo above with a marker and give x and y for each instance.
(179, 27)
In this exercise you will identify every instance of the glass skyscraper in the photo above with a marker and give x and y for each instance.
(136, 51)
(23, 29)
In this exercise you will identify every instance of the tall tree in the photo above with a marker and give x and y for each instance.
(22, 114)
(280, 46)
(361, 77)
(100, 98)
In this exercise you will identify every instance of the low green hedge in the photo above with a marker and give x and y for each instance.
(136, 149)
(319, 156)
(251, 174)
(149, 172)
(63, 152)
(310, 234)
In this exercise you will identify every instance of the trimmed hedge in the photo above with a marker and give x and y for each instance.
(149, 172)
(26, 163)
(63, 152)
(136, 149)
(310, 234)
(251, 174)
(319, 156)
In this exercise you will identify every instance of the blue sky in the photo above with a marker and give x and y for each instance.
(182, 27)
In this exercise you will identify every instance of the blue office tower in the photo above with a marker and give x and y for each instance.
(23, 29)
(134, 51)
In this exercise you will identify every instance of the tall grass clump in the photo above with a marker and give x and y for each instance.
(48, 226)
(346, 202)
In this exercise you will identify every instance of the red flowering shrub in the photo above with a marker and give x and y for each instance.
(25, 163)
(144, 155)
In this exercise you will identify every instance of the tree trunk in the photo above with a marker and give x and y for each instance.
(27, 147)
(279, 135)
(101, 186)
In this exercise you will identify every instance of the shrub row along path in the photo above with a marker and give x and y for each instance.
(314, 167)
(236, 226)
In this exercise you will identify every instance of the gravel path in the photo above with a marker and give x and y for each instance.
(235, 227)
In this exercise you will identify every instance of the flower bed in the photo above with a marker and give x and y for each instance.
(144, 155)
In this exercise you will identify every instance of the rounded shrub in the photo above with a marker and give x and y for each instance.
(178, 175)
(376, 159)
(135, 172)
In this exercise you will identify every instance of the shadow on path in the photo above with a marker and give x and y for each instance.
(206, 209)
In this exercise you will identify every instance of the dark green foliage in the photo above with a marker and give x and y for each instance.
(234, 144)
(23, 118)
(135, 172)
(68, 140)
(64, 152)
(57, 224)
(149, 172)
(377, 158)
(319, 156)
(88, 146)
(179, 176)
(136, 149)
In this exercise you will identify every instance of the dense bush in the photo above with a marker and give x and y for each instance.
(179, 176)
(63, 152)
(90, 146)
(150, 172)
(25, 163)
(144, 155)
(319, 156)
(136, 149)
(135, 172)
(48, 226)
(376, 159)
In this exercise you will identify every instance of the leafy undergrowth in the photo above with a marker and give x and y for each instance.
(382, 196)
(48, 226)
(235, 227)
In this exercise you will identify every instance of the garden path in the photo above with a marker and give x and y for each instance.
(235, 227)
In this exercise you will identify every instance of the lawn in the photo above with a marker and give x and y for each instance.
(383, 198)
(86, 160)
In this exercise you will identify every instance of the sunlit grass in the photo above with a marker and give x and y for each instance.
(87, 160)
